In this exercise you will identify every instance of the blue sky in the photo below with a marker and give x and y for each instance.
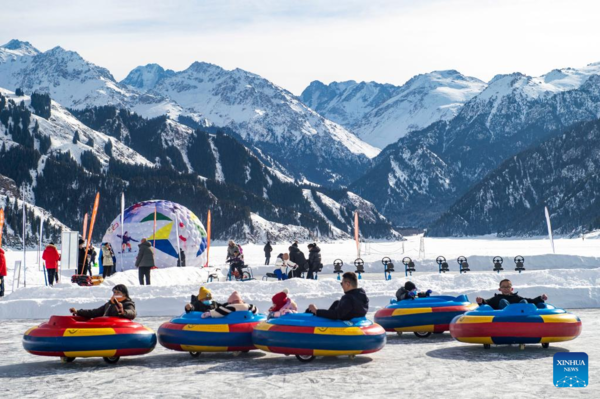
(294, 42)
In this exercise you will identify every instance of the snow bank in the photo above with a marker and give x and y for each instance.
(569, 288)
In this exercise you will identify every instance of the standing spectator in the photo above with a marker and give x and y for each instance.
(92, 258)
(144, 261)
(297, 257)
(51, 257)
(81, 263)
(314, 260)
(108, 259)
(268, 249)
(181, 259)
(231, 250)
(2, 271)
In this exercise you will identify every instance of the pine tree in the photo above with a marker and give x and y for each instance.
(76, 137)
(19, 92)
(90, 142)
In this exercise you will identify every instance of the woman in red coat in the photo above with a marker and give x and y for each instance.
(51, 257)
(2, 271)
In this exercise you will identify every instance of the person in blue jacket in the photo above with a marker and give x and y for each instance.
(354, 303)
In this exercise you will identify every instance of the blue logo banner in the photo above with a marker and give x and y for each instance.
(571, 370)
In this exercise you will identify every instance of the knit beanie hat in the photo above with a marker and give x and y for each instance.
(409, 286)
(279, 300)
(235, 298)
(204, 294)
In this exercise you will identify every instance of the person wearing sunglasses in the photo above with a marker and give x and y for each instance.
(507, 297)
(354, 302)
(119, 305)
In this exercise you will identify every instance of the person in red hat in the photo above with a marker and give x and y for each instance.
(282, 304)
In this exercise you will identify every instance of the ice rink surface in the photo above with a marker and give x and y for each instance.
(434, 367)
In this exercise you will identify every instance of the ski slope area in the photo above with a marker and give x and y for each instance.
(571, 278)
(435, 367)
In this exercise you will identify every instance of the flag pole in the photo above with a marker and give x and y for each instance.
(356, 234)
(549, 229)
(122, 227)
(208, 223)
(85, 224)
(94, 211)
(24, 249)
(154, 235)
(177, 238)
(1, 224)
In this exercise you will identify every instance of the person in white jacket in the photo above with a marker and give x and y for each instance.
(234, 304)
(282, 264)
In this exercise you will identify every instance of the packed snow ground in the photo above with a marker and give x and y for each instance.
(571, 278)
(435, 367)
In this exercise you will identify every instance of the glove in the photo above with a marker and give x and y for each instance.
(412, 294)
(428, 293)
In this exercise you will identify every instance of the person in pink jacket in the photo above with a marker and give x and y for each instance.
(282, 304)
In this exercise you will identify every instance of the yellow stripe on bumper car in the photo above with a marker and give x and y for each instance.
(88, 332)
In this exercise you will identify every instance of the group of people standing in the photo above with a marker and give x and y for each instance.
(295, 264)
(108, 261)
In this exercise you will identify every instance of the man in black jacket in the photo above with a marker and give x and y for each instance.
(82, 263)
(354, 302)
(297, 257)
(268, 249)
(314, 260)
(507, 297)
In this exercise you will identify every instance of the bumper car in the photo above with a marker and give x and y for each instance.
(307, 336)
(191, 333)
(520, 323)
(422, 316)
(71, 336)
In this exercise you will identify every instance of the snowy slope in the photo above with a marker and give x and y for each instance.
(418, 178)
(61, 127)
(561, 173)
(12, 237)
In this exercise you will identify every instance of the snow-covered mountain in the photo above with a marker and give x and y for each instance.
(268, 117)
(561, 173)
(259, 112)
(381, 114)
(418, 178)
(65, 75)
